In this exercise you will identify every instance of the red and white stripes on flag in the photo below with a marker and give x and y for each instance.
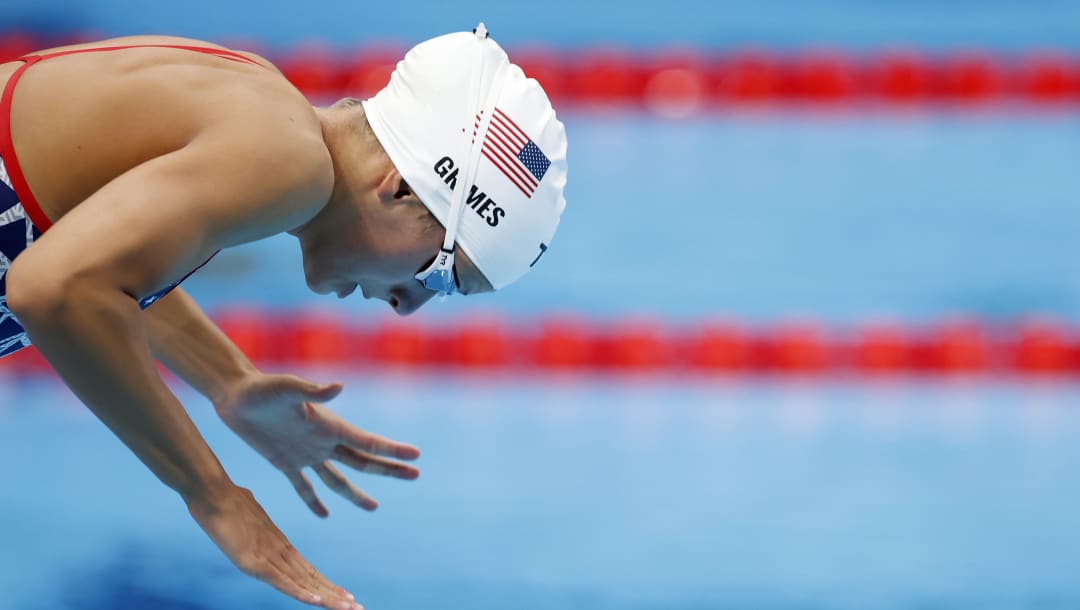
(505, 145)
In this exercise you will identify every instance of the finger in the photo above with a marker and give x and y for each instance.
(315, 579)
(320, 392)
(371, 464)
(279, 579)
(377, 445)
(336, 481)
(285, 582)
(303, 575)
(307, 493)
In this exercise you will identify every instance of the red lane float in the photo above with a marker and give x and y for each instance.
(678, 82)
(717, 347)
(1044, 347)
(562, 343)
(1036, 347)
(882, 348)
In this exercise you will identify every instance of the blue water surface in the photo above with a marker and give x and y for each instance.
(589, 493)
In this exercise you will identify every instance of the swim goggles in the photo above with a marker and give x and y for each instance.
(439, 277)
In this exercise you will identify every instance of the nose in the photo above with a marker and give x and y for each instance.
(407, 299)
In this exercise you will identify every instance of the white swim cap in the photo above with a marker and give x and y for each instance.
(459, 121)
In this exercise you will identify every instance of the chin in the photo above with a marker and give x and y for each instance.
(318, 287)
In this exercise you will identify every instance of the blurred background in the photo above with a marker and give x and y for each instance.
(807, 336)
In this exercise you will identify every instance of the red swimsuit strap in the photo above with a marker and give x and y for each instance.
(7, 148)
(223, 53)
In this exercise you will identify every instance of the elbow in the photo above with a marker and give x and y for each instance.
(34, 293)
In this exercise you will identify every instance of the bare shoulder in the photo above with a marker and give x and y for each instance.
(272, 165)
(260, 142)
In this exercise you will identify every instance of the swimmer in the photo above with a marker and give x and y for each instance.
(126, 164)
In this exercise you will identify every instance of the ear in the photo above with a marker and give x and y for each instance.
(394, 188)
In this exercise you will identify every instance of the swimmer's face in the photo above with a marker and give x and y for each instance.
(378, 249)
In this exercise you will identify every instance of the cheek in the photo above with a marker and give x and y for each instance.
(327, 259)
(396, 268)
(401, 259)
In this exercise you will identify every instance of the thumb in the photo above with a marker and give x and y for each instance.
(318, 392)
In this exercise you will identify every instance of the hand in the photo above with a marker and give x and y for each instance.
(277, 416)
(242, 530)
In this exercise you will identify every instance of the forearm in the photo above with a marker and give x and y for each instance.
(190, 345)
(96, 342)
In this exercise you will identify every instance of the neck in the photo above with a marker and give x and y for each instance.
(335, 133)
(358, 159)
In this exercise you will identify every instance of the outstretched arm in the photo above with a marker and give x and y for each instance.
(76, 294)
(189, 344)
(94, 338)
(278, 415)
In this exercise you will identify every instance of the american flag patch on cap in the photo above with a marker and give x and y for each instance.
(514, 153)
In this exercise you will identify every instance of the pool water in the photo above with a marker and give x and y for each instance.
(654, 492)
(590, 493)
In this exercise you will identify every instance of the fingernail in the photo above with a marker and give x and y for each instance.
(347, 606)
(351, 597)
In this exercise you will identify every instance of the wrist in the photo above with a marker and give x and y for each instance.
(209, 492)
(228, 382)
